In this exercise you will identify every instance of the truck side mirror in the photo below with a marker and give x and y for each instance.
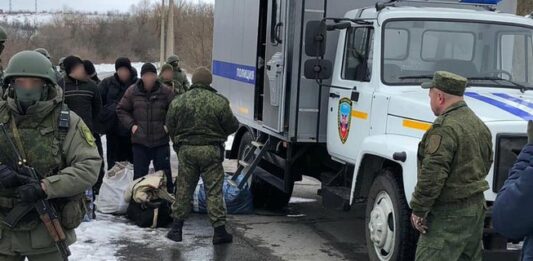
(315, 38)
(318, 69)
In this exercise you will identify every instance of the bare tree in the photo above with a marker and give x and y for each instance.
(103, 38)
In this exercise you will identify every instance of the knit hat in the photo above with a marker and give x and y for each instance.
(70, 62)
(89, 68)
(202, 75)
(122, 62)
(148, 67)
(166, 66)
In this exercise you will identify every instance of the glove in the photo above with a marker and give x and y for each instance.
(530, 132)
(10, 178)
(31, 192)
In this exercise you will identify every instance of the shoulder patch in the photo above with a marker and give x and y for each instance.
(433, 143)
(87, 134)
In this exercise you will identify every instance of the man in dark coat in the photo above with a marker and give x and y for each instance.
(112, 89)
(143, 110)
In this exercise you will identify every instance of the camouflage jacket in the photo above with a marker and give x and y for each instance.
(65, 174)
(200, 117)
(181, 77)
(454, 157)
(175, 85)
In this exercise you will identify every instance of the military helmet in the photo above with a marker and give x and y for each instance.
(29, 64)
(43, 52)
(3, 34)
(173, 58)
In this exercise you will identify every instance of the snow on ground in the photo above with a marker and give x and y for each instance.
(31, 18)
(39, 18)
(103, 238)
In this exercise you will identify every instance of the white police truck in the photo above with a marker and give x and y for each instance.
(331, 89)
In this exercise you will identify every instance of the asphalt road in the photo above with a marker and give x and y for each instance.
(308, 232)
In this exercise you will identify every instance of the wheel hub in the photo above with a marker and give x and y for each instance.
(382, 232)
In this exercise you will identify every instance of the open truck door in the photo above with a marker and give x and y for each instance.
(275, 65)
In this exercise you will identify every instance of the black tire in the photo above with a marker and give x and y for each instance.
(265, 195)
(404, 235)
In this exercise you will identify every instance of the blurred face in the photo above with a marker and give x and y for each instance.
(167, 75)
(124, 74)
(78, 72)
(27, 83)
(149, 80)
(437, 101)
(28, 91)
(175, 64)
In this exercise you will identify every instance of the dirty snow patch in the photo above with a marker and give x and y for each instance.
(103, 238)
(301, 200)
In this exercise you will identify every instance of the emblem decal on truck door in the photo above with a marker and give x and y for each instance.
(344, 118)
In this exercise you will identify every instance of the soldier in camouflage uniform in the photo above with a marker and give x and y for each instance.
(3, 39)
(166, 76)
(66, 159)
(179, 75)
(454, 157)
(199, 123)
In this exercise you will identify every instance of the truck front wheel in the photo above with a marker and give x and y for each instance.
(389, 235)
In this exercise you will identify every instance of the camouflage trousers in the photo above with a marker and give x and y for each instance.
(455, 232)
(196, 162)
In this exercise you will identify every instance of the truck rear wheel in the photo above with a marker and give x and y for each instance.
(389, 235)
(265, 195)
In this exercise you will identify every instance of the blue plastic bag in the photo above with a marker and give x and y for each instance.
(237, 201)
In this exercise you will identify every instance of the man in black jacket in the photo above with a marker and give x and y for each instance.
(81, 96)
(112, 89)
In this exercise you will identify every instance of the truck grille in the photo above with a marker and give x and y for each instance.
(508, 146)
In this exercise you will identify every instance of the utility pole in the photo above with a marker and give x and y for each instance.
(10, 6)
(162, 46)
(170, 29)
(167, 36)
(35, 6)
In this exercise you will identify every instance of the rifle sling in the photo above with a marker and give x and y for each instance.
(18, 140)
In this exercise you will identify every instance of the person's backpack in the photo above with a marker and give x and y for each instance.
(149, 201)
(152, 214)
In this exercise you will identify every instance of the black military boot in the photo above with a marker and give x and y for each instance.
(175, 233)
(222, 236)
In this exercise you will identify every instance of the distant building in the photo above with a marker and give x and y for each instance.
(1, 11)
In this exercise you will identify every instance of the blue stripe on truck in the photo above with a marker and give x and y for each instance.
(233, 71)
(504, 106)
(514, 99)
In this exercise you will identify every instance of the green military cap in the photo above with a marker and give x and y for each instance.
(167, 66)
(43, 52)
(173, 58)
(447, 82)
(202, 75)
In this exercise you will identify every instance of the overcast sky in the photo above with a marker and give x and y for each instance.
(82, 5)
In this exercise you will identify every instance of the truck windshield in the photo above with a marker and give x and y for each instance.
(489, 54)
